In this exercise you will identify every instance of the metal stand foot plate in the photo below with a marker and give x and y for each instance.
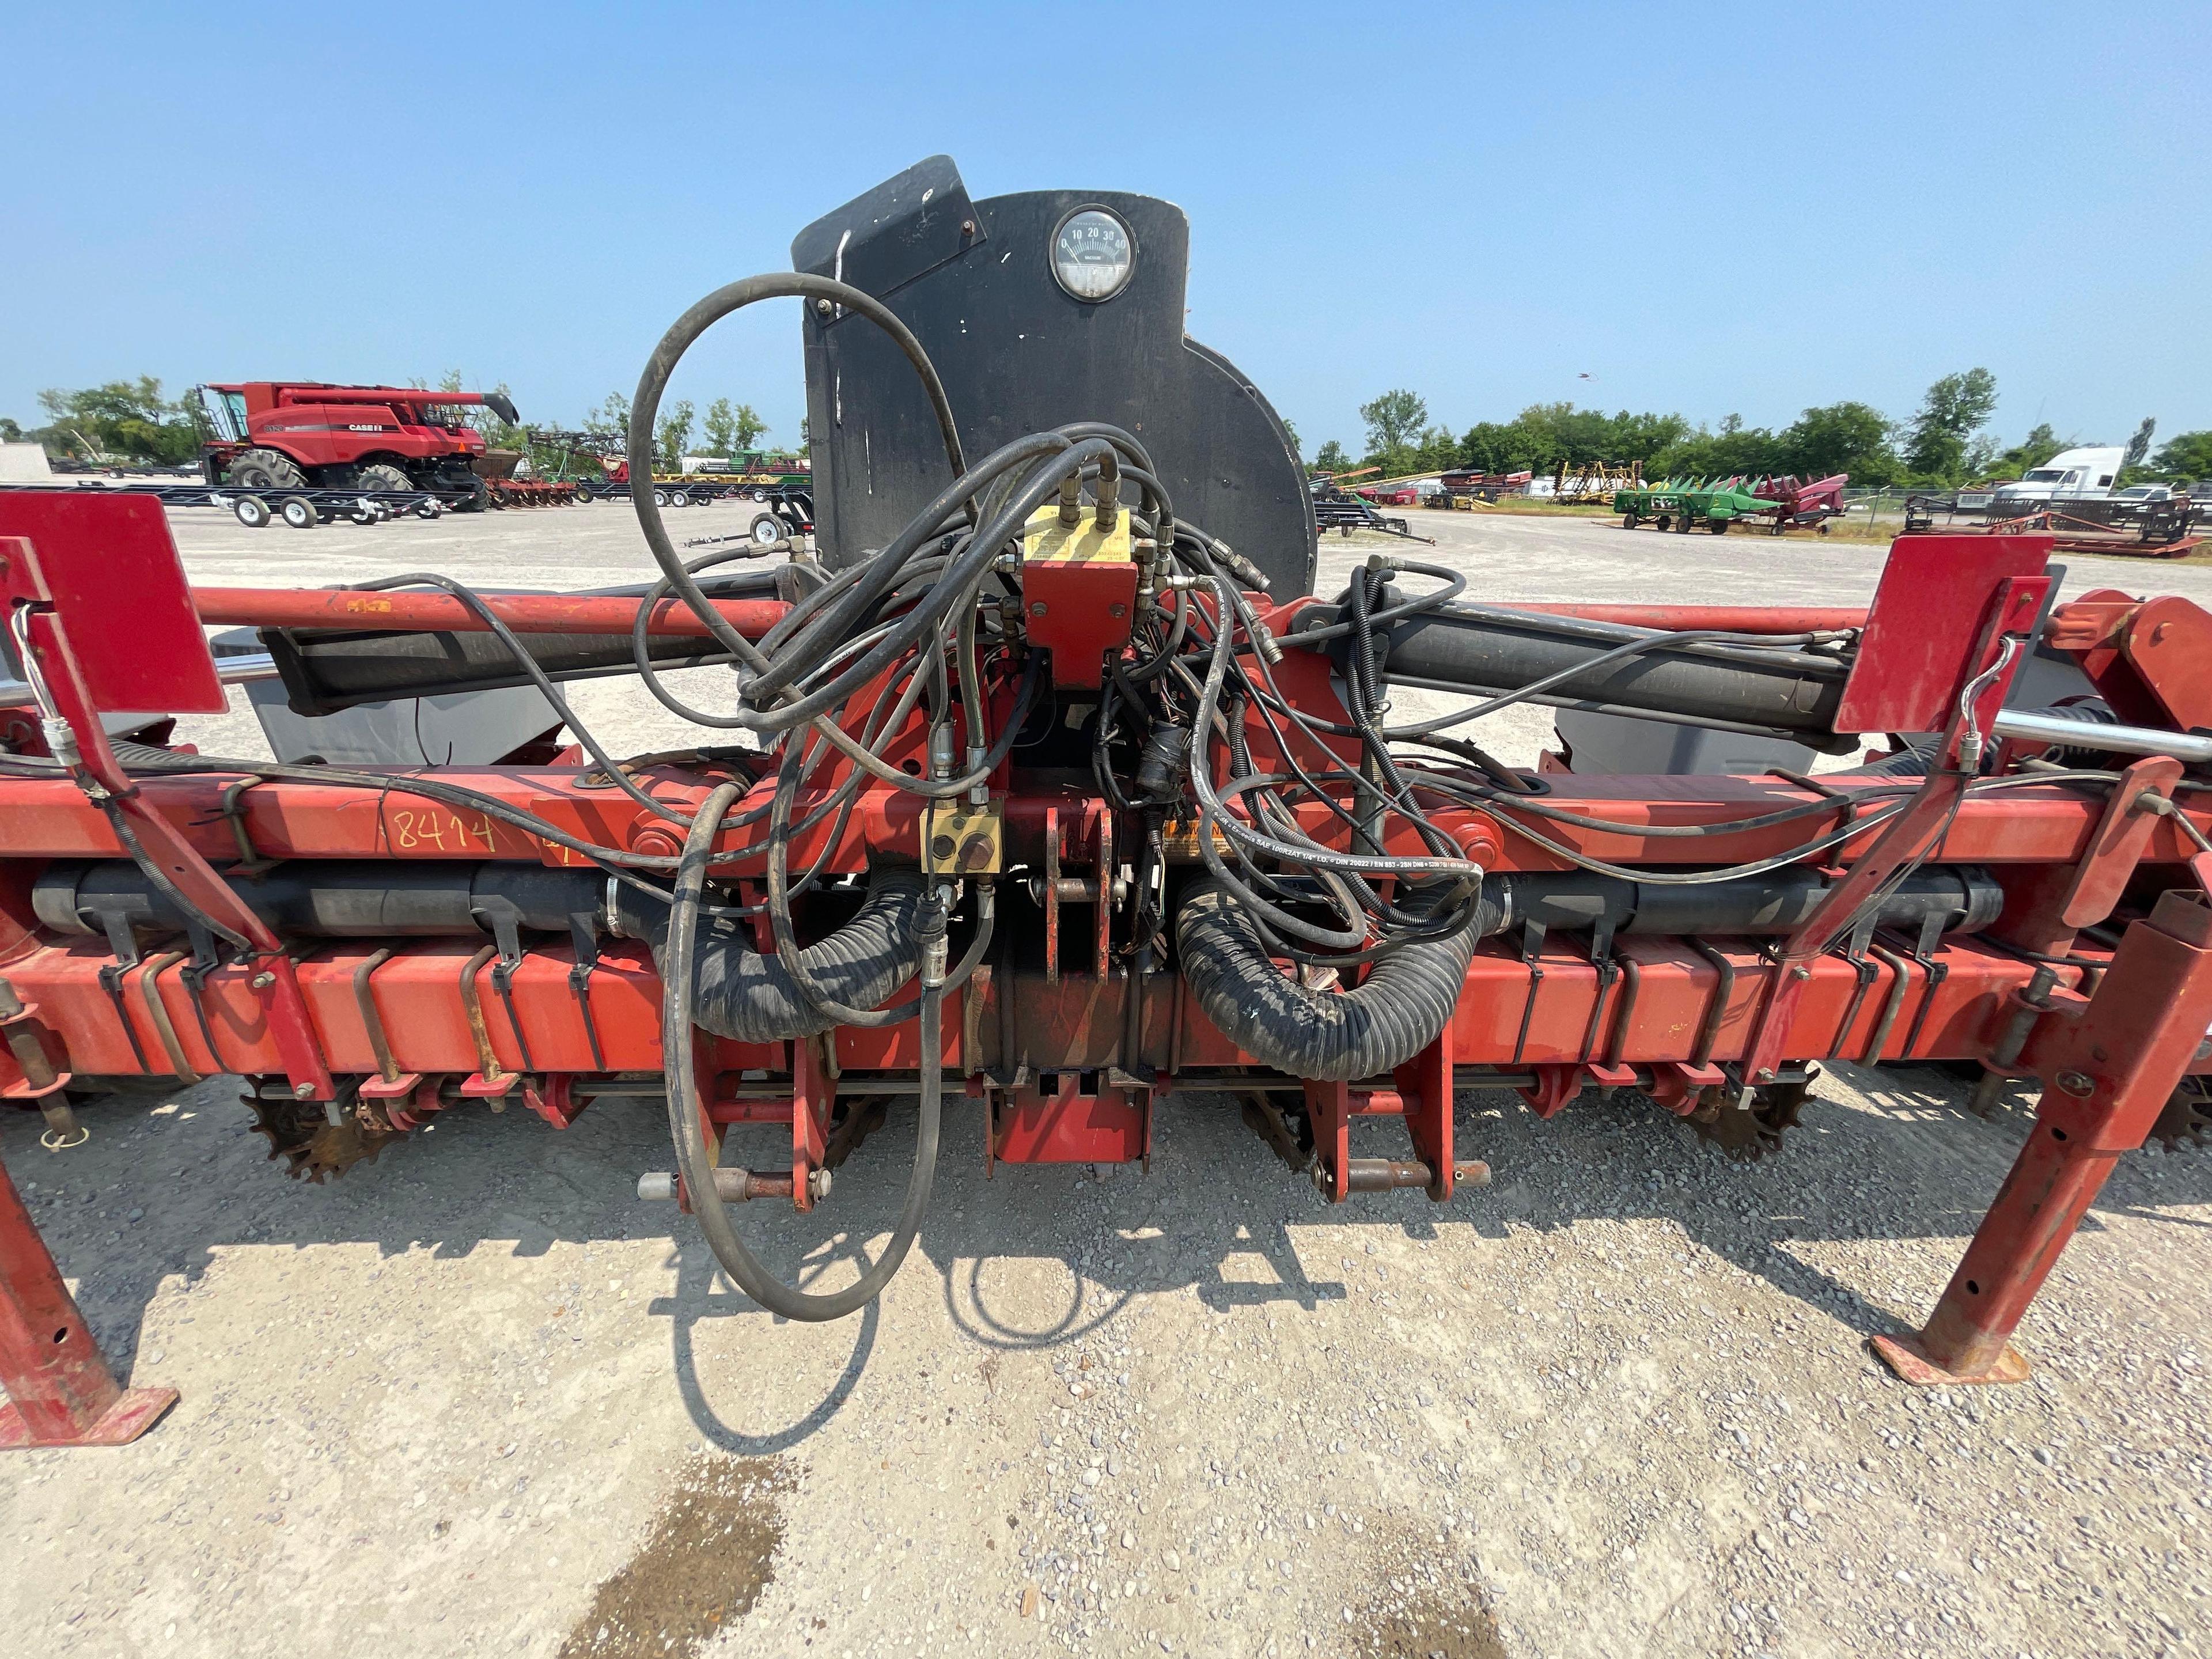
(1905, 1356)
(135, 1411)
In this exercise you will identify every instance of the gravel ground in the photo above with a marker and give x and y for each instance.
(473, 1398)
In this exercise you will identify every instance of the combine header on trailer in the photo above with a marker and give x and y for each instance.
(1074, 798)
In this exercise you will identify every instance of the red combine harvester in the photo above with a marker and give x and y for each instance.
(1067, 805)
(273, 436)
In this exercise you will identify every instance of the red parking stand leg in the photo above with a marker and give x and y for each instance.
(61, 1391)
(2108, 1069)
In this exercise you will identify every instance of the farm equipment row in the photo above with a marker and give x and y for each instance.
(305, 508)
(2152, 523)
(1337, 508)
(1062, 808)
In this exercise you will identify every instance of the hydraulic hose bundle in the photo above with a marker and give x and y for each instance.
(1322, 862)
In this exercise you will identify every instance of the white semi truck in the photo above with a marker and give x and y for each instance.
(2072, 475)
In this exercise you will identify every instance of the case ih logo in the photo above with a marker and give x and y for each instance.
(368, 427)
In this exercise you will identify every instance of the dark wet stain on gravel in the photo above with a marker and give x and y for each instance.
(710, 1554)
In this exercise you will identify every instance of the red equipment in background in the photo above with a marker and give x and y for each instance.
(354, 1038)
(1802, 501)
(279, 435)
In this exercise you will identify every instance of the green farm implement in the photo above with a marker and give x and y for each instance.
(1685, 506)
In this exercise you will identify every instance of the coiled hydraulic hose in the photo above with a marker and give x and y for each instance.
(1337, 1037)
(739, 992)
(686, 1121)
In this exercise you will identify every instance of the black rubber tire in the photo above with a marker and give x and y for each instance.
(768, 530)
(679, 498)
(1665, 521)
(583, 495)
(1718, 526)
(1629, 521)
(299, 513)
(382, 476)
(1683, 527)
(266, 469)
(251, 512)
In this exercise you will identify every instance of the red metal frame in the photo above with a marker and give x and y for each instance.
(1072, 1059)
(387, 611)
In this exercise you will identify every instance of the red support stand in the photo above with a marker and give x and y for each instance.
(61, 1391)
(2109, 1065)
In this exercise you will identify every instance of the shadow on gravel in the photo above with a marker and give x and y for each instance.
(1219, 1215)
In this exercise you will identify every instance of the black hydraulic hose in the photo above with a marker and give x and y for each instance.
(1403, 1007)
(646, 406)
(530, 665)
(687, 1127)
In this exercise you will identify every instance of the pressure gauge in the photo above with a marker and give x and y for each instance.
(1093, 254)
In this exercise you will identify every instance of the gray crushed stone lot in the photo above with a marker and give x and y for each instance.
(471, 1398)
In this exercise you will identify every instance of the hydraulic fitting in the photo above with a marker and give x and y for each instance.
(929, 933)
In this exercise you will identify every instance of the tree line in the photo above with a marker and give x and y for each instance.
(131, 421)
(1947, 441)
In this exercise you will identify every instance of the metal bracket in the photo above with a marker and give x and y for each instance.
(505, 922)
(584, 938)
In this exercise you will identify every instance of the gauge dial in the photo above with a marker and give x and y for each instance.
(1093, 254)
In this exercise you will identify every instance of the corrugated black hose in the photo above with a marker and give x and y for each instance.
(1399, 1010)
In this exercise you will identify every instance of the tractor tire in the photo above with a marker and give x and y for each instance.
(1629, 521)
(383, 476)
(768, 530)
(478, 499)
(1683, 527)
(266, 469)
(250, 511)
(299, 513)
(1718, 526)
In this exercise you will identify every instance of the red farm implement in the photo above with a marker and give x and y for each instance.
(1073, 805)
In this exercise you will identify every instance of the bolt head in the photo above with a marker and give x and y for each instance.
(264, 979)
(1036, 608)
(823, 307)
(2077, 1083)
(303, 1091)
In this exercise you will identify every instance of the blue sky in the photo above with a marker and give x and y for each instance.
(1713, 210)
